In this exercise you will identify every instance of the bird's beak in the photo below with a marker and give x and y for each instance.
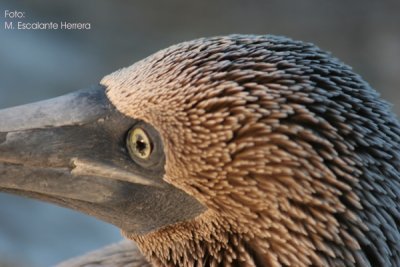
(70, 151)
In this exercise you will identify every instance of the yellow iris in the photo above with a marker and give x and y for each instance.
(139, 144)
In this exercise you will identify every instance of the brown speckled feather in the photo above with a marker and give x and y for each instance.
(294, 155)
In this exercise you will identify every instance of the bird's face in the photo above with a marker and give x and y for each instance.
(79, 152)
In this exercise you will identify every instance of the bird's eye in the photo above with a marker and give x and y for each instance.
(139, 144)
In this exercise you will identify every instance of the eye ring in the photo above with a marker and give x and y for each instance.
(139, 144)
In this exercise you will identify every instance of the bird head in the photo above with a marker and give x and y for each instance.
(242, 150)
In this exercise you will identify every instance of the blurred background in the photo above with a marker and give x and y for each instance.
(38, 64)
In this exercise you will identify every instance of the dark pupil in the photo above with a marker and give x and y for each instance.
(140, 144)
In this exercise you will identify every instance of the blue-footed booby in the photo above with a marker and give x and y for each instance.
(238, 150)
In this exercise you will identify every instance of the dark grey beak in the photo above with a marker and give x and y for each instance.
(71, 151)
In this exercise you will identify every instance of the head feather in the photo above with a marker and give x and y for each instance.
(294, 155)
